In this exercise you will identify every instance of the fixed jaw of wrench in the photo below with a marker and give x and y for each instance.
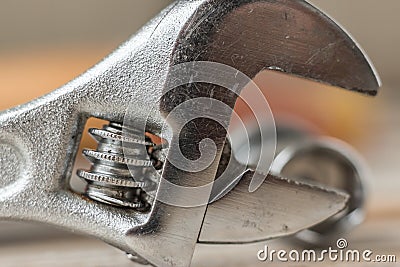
(39, 141)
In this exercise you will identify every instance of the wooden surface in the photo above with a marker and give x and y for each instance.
(26, 76)
(374, 235)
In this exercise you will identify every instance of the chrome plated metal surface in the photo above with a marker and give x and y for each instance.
(39, 140)
(321, 161)
(329, 163)
(280, 207)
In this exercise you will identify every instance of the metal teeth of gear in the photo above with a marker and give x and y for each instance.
(117, 137)
(116, 159)
(102, 178)
(110, 179)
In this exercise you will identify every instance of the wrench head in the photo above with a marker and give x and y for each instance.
(282, 35)
(251, 36)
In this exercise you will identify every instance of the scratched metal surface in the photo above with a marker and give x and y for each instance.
(383, 169)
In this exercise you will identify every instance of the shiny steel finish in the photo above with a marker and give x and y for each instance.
(323, 162)
(333, 164)
(275, 216)
(39, 140)
(110, 180)
(279, 208)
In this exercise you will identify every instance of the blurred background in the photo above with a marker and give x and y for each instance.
(46, 43)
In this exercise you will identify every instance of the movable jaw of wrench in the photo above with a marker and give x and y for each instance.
(39, 141)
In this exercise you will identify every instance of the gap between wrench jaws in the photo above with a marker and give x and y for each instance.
(39, 140)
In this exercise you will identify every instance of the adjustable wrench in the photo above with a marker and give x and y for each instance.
(39, 140)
